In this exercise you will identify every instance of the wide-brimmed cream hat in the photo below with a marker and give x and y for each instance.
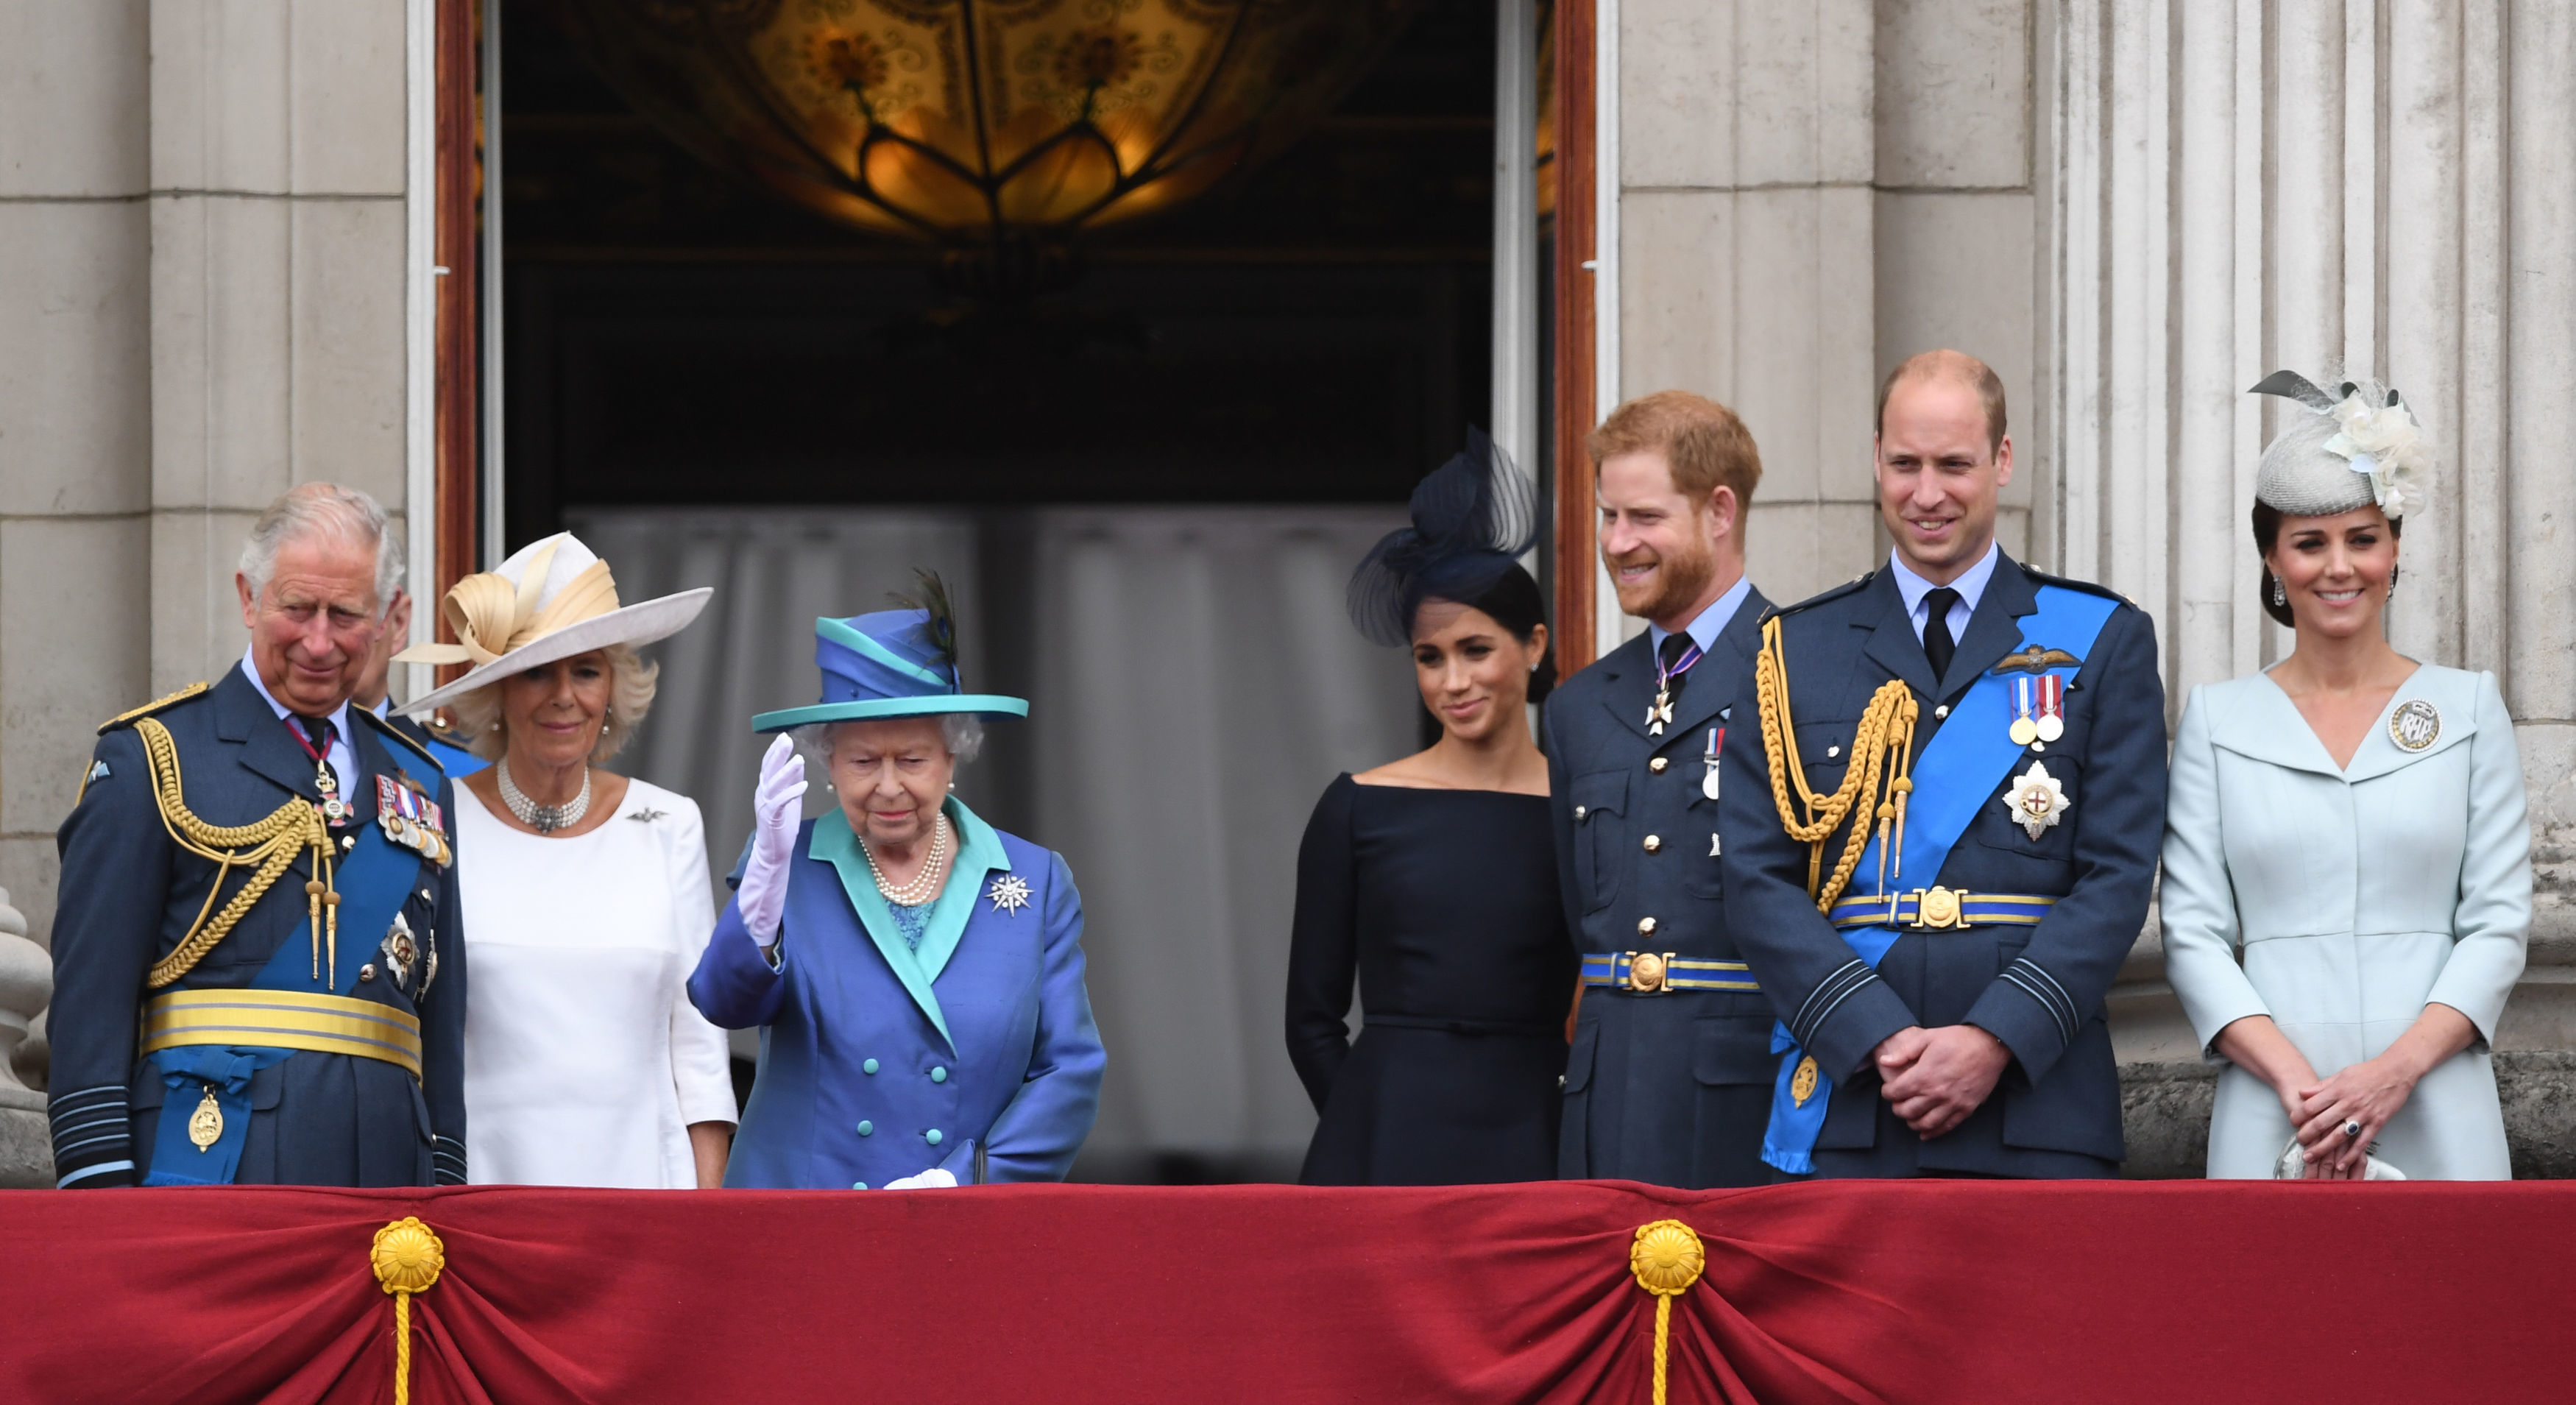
(551, 600)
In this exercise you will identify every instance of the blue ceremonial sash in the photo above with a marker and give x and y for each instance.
(372, 881)
(1956, 773)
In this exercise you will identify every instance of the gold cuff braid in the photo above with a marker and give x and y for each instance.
(1882, 751)
(270, 843)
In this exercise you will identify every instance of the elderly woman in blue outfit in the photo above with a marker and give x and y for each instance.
(916, 974)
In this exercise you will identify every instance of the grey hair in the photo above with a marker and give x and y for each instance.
(961, 732)
(318, 509)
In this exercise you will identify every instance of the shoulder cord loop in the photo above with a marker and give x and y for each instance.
(271, 843)
(1882, 746)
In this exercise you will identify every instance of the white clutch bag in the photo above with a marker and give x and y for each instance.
(2294, 1164)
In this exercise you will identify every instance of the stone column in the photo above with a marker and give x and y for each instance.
(2246, 186)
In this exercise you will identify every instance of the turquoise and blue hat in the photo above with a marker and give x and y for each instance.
(886, 664)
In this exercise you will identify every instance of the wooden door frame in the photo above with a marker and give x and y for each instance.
(1577, 259)
(456, 426)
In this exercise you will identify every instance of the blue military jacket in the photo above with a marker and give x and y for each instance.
(1667, 1088)
(879, 1061)
(2040, 990)
(130, 894)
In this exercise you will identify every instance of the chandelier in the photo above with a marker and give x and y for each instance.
(984, 126)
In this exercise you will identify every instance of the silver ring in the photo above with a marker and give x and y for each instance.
(2351, 1128)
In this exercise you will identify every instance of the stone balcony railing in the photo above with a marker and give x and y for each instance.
(26, 985)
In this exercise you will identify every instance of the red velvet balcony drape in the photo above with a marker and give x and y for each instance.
(1902, 1292)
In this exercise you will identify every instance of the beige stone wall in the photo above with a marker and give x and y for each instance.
(202, 246)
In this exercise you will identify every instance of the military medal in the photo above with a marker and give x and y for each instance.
(325, 781)
(2036, 799)
(1802, 1083)
(1716, 744)
(411, 819)
(2415, 726)
(2025, 728)
(400, 950)
(2052, 706)
(1660, 711)
(206, 1124)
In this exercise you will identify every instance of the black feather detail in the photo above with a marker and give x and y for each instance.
(942, 624)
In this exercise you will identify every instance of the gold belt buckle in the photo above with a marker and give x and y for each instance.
(1648, 971)
(1937, 908)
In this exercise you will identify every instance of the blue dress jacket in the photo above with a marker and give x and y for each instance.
(878, 1060)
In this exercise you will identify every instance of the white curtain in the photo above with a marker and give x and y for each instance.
(1193, 684)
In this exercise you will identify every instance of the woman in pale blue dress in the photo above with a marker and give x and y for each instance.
(2347, 865)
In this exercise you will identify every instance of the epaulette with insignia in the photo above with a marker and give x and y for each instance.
(2088, 587)
(1830, 593)
(395, 733)
(127, 718)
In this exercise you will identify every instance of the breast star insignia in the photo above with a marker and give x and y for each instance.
(2037, 800)
(1009, 893)
(648, 814)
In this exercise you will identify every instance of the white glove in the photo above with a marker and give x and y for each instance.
(2294, 1162)
(775, 813)
(932, 1179)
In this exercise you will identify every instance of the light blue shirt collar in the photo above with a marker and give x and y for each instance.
(344, 762)
(1711, 622)
(1971, 587)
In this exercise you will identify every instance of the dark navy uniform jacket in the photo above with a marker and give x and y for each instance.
(2056, 1111)
(129, 894)
(1671, 1088)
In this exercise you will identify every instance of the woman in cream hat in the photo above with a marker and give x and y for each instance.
(2347, 868)
(585, 891)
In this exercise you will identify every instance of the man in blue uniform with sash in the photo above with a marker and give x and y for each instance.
(259, 976)
(1943, 815)
(1668, 1080)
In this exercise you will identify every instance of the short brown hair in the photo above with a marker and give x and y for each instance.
(1951, 365)
(1706, 445)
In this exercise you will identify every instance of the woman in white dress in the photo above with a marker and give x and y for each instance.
(585, 892)
(2353, 822)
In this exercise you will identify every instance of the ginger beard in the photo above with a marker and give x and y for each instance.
(1657, 582)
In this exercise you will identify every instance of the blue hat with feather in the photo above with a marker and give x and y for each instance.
(892, 663)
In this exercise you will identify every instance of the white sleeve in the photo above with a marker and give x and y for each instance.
(701, 1060)
(2492, 920)
(2197, 902)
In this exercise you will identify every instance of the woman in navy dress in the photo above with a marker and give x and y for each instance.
(1432, 879)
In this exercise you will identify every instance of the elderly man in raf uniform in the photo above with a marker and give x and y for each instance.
(259, 976)
(1668, 1080)
(1942, 815)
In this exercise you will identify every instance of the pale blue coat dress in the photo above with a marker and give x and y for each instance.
(2342, 900)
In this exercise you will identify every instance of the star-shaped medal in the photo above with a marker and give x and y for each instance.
(2037, 799)
(1009, 893)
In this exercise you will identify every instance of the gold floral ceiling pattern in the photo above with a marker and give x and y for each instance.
(973, 122)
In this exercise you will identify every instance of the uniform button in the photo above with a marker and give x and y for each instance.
(867, 1129)
(1645, 926)
(1654, 842)
(1657, 765)
(858, 1185)
(1940, 712)
(1833, 751)
(932, 1136)
(367, 972)
(869, 1067)
(348, 842)
(1578, 812)
(938, 1075)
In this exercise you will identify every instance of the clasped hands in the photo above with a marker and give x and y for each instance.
(2369, 1093)
(1936, 1077)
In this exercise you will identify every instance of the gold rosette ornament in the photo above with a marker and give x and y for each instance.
(407, 1259)
(1666, 1259)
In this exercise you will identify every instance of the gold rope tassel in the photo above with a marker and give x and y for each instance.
(1877, 783)
(1666, 1258)
(270, 843)
(407, 1259)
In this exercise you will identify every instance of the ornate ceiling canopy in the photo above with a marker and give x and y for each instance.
(984, 124)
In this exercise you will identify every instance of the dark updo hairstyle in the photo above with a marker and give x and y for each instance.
(2267, 531)
(1473, 518)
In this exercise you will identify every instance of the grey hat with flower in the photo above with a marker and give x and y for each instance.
(2357, 447)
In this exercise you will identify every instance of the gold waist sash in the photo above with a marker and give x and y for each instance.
(283, 1019)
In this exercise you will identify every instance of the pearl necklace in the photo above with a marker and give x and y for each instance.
(544, 819)
(924, 884)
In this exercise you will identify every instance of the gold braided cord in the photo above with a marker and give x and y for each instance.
(407, 1257)
(270, 843)
(1665, 1258)
(1879, 776)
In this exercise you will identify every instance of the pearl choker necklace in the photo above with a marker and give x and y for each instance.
(925, 883)
(544, 819)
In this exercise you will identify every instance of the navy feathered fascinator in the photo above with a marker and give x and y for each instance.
(1474, 517)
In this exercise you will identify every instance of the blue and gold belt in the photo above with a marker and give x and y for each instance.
(283, 1019)
(1942, 909)
(1658, 972)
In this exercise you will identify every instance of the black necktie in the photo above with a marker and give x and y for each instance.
(1938, 646)
(1670, 655)
(319, 730)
